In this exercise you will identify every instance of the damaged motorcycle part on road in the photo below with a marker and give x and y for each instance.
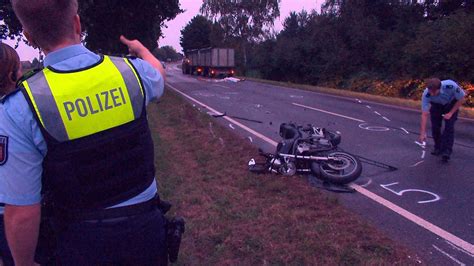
(309, 149)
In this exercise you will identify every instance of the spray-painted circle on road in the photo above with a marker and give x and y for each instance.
(373, 128)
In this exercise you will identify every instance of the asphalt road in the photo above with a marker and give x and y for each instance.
(433, 213)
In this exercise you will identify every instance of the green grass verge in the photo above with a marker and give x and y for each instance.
(238, 218)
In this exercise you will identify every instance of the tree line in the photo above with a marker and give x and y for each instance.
(104, 21)
(379, 39)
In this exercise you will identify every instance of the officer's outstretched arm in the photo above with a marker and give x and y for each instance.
(22, 227)
(136, 48)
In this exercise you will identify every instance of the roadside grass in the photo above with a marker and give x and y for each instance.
(407, 103)
(234, 217)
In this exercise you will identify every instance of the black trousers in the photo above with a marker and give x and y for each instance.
(443, 140)
(132, 240)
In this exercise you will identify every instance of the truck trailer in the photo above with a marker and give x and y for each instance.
(210, 62)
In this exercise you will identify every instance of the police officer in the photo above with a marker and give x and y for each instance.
(9, 72)
(441, 100)
(77, 131)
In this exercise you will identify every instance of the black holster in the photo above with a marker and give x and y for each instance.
(175, 228)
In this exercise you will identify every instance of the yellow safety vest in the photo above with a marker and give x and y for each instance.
(75, 104)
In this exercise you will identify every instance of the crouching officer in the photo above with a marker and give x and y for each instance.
(78, 132)
(441, 100)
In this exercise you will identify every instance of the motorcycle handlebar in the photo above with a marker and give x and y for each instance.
(308, 128)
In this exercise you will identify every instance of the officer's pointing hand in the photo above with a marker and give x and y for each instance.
(135, 47)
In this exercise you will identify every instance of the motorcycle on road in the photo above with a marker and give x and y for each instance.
(309, 149)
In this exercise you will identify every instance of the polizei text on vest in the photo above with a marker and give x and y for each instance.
(104, 100)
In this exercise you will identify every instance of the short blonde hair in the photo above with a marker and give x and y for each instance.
(48, 22)
(433, 83)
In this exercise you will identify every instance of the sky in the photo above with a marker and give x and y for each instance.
(172, 32)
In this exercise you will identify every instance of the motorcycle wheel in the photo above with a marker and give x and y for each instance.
(346, 169)
(288, 169)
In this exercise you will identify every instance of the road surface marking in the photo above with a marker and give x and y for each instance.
(222, 86)
(416, 164)
(377, 113)
(401, 192)
(386, 119)
(368, 106)
(255, 133)
(406, 131)
(250, 138)
(449, 256)
(367, 184)
(373, 128)
(374, 102)
(231, 126)
(417, 220)
(327, 112)
(464, 245)
(459, 249)
(421, 144)
(423, 154)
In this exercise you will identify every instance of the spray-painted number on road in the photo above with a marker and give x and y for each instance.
(401, 192)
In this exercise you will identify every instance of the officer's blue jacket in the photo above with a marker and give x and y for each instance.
(22, 142)
(449, 91)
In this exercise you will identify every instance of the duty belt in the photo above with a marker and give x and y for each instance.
(112, 213)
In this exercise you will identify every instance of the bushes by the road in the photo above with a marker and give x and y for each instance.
(382, 47)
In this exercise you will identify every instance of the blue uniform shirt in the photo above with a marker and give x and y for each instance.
(449, 91)
(20, 175)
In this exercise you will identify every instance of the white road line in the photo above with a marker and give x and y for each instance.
(423, 154)
(418, 220)
(468, 247)
(250, 138)
(459, 249)
(386, 119)
(255, 133)
(406, 131)
(449, 256)
(368, 106)
(231, 126)
(414, 110)
(377, 113)
(222, 86)
(327, 112)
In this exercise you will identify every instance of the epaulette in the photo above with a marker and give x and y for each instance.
(5, 97)
(28, 75)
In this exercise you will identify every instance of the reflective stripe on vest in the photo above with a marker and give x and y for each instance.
(72, 105)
